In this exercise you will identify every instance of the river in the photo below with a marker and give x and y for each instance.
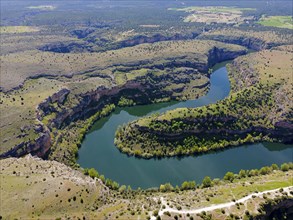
(98, 149)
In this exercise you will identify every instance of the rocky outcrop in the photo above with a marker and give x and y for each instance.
(217, 55)
(144, 90)
(249, 42)
(39, 147)
(140, 90)
(281, 133)
(141, 39)
(60, 96)
(89, 43)
(94, 101)
(46, 106)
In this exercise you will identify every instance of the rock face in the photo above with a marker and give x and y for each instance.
(39, 147)
(141, 39)
(60, 96)
(92, 102)
(89, 43)
(217, 55)
(249, 42)
(283, 131)
(141, 91)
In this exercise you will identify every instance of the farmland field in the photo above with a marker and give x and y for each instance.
(227, 15)
(277, 21)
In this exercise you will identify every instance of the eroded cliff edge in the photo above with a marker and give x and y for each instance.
(178, 77)
(259, 108)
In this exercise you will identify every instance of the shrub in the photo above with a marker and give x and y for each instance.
(188, 185)
(207, 182)
(275, 166)
(93, 173)
(166, 187)
(156, 212)
(242, 174)
(229, 176)
(265, 170)
(284, 167)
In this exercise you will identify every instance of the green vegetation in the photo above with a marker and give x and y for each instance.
(125, 102)
(277, 21)
(207, 182)
(69, 139)
(64, 192)
(149, 74)
(248, 115)
(17, 29)
(18, 66)
(259, 39)
(188, 185)
(229, 177)
(86, 48)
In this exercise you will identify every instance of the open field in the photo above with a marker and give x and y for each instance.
(43, 188)
(16, 67)
(13, 43)
(17, 29)
(63, 192)
(18, 107)
(208, 15)
(42, 7)
(277, 21)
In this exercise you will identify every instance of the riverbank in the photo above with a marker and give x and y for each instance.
(258, 109)
(274, 193)
(147, 75)
(75, 195)
(98, 148)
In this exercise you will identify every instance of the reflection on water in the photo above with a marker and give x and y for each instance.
(277, 147)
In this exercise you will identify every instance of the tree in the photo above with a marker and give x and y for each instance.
(253, 173)
(264, 170)
(115, 185)
(188, 185)
(242, 174)
(229, 176)
(122, 189)
(207, 182)
(248, 138)
(275, 166)
(93, 173)
(166, 187)
(284, 167)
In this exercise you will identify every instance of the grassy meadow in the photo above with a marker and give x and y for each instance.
(277, 21)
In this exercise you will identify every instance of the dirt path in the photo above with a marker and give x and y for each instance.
(214, 207)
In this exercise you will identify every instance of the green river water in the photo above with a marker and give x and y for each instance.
(98, 149)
